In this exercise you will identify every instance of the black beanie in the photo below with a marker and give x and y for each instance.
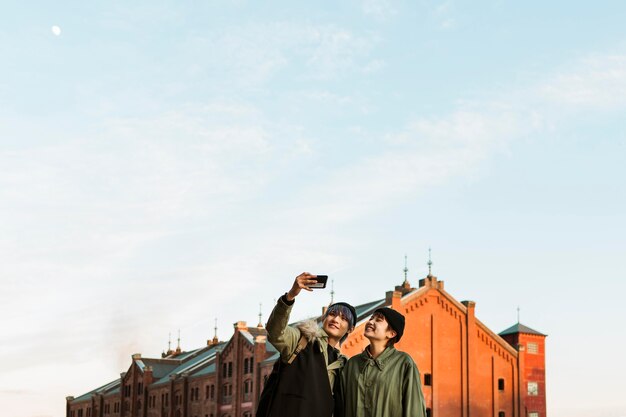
(395, 320)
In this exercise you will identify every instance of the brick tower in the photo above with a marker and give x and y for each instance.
(530, 345)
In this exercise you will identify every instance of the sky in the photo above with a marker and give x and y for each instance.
(167, 164)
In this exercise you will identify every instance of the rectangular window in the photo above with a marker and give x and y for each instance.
(428, 380)
(532, 348)
(230, 369)
(501, 384)
(533, 388)
(533, 414)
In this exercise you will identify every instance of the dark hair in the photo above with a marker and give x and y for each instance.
(342, 310)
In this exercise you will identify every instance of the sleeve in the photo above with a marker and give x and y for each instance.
(412, 395)
(283, 337)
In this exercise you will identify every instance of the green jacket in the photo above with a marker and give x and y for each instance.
(388, 386)
(285, 338)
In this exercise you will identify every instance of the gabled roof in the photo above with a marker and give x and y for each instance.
(105, 389)
(160, 367)
(364, 310)
(203, 358)
(520, 328)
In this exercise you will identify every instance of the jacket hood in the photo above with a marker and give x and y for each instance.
(310, 330)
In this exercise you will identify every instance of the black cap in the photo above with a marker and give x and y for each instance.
(349, 307)
(395, 320)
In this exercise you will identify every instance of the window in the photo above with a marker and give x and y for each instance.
(230, 369)
(206, 392)
(501, 414)
(533, 388)
(224, 370)
(428, 380)
(247, 386)
(533, 414)
(212, 391)
(245, 366)
(532, 348)
(227, 392)
(501, 384)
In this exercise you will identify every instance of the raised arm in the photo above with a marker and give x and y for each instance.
(279, 333)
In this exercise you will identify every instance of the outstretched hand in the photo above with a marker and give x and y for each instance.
(302, 282)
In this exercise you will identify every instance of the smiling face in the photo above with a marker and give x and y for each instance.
(377, 329)
(336, 325)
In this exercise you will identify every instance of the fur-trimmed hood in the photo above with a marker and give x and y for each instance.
(310, 330)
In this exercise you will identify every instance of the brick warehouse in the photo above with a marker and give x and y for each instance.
(467, 370)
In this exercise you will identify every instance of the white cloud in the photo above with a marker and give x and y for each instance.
(598, 81)
(381, 9)
(444, 14)
(253, 54)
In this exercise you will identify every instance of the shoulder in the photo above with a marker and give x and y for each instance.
(403, 358)
(309, 329)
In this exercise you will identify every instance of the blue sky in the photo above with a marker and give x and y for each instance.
(163, 164)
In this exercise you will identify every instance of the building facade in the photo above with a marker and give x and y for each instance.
(467, 370)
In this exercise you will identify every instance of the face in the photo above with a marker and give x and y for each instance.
(377, 328)
(336, 325)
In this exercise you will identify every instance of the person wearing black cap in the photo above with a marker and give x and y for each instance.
(382, 381)
(303, 379)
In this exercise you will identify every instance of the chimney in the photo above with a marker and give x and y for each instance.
(431, 281)
(148, 377)
(393, 298)
(241, 326)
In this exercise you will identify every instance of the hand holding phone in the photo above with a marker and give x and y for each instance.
(321, 282)
(307, 282)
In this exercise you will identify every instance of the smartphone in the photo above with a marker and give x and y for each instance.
(321, 282)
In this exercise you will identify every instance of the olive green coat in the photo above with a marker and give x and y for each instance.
(388, 386)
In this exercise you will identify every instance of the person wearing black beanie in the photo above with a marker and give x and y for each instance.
(382, 381)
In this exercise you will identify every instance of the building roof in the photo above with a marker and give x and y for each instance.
(192, 364)
(105, 389)
(366, 309)
(520, 328)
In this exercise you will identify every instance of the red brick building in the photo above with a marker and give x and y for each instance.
(467, 370)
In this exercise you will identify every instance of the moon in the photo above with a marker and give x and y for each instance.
(56, 31)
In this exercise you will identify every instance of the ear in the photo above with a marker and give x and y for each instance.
(391, 332)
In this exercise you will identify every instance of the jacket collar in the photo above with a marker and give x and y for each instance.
(379, 361)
